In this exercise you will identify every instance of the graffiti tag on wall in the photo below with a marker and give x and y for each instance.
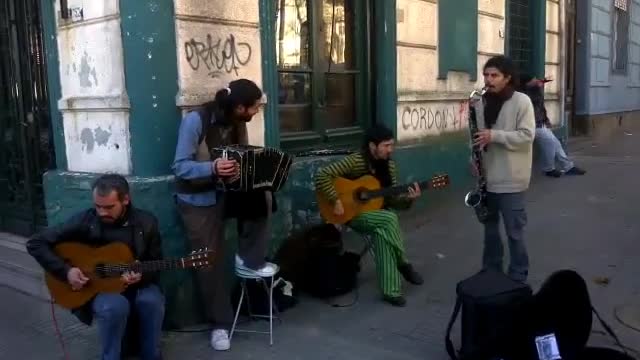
(439, 117)
(217, 56)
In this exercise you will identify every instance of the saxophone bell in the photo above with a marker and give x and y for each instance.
(472, 199)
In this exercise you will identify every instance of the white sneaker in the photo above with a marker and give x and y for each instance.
(220, 340)
(268, 270)
(239, 261)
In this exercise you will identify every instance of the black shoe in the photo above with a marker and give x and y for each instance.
(553, 173)
(398, 301)
(410, 274)
(576, 171)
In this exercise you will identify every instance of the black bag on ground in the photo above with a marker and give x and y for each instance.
(492, 306)
(562, 308)
(314, 261)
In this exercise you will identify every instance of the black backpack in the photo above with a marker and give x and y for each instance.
(314, 261)
(492, 307)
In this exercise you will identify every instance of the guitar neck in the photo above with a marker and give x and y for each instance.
(397, 190)
(145, 267)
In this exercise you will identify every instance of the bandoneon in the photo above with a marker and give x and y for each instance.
(261, 168)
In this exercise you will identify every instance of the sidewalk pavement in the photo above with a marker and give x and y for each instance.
(587, 223)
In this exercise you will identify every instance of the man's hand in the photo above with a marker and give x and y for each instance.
(226, 167)
(76, 278)
(482, 138)
(338, 209)
(131, 278)
(414, 192)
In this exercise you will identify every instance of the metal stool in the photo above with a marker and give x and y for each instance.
(245, 275)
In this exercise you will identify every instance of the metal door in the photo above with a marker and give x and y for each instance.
(26, 149)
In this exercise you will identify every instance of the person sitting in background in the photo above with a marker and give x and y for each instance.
(555, 161)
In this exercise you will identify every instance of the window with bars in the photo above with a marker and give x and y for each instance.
(620, 36)
(322, 70)
(520, 44)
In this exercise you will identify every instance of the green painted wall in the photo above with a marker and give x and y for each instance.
(69, 192)
(458, 38)
(385, 62)
(538, 21)
(50, 38)
(269, 72)
(149, 45)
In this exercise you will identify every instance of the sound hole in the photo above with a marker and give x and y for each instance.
(361, 195)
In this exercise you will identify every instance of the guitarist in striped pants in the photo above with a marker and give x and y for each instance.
(382, 225)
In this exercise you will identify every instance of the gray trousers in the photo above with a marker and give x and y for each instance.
(205, 227)
(551, 151)
(511, 207)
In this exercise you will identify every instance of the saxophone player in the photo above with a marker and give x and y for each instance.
(506, 130)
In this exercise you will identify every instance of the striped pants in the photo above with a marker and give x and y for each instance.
(388, 247)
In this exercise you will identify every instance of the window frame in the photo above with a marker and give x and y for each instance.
(614, 32)
(319, 136)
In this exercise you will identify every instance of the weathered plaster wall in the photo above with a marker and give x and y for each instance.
(217, 42)
(428, 106)
(94, 101)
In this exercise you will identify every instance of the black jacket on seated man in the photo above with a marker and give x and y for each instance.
(137, 228)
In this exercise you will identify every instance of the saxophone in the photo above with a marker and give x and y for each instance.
(477, 198)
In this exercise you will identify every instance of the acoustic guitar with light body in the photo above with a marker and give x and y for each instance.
(366, 194)
(104, 267)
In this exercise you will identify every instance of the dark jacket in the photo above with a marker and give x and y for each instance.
(536, 94)
(85, 227)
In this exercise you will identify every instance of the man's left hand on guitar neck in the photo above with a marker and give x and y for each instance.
(414, 192)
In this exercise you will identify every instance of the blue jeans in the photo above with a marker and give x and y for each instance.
(551, 151)
(111, 312)
(514, 216)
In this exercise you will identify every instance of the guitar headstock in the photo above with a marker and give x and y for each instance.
(440, 181)
(199, 258)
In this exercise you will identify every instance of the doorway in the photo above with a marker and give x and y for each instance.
(26, 146)
(570, 67)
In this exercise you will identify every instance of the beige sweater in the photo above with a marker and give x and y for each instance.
(507, 161)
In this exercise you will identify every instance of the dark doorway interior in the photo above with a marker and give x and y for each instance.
(26, 147)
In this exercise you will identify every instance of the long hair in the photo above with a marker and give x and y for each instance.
(241, 92)
(506, 66)
(494, 101)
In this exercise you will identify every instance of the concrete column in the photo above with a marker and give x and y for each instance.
(94, 103)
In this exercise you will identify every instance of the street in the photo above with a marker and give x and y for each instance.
(587, 223)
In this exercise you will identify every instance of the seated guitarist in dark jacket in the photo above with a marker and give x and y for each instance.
(113, 219)
(382, 225)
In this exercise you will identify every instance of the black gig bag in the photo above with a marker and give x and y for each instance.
(492, 306)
